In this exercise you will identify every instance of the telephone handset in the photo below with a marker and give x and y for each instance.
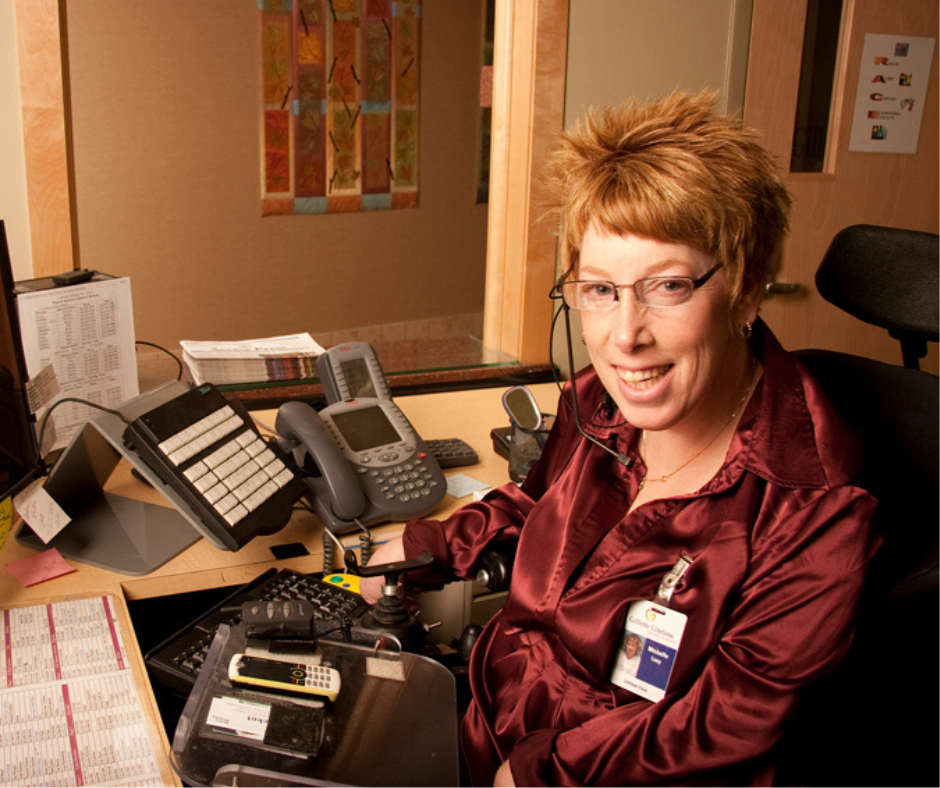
(307, 439)
(365, 462)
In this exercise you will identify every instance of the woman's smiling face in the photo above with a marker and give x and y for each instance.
(665, 367)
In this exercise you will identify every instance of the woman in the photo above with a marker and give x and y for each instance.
(711, 484)
(628, 662)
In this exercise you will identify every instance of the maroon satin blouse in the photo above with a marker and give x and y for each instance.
(780, 539)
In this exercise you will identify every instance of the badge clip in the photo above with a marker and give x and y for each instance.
(671, 579)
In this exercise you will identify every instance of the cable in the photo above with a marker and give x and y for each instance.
(23, 483)
(329, 551)
(43, 468)
(264, 426)
(45, 416)
(179, 364)
(365, 544)
(572, 406)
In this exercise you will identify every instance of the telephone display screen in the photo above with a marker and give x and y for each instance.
(356, 373)
(366, 428)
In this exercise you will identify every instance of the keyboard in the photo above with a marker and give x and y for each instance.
(227, 480)
(175, 663)
(452, 452)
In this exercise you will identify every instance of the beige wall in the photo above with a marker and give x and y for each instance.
(618, 49)
(165, 103)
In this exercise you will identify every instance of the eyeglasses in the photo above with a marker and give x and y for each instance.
(597, 295)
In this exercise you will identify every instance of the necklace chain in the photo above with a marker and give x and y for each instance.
(700, 452)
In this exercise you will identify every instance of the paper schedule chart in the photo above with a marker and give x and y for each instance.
(69, 709)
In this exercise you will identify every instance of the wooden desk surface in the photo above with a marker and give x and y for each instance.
(469, 415)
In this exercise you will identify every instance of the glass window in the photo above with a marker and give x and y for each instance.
(817, 75)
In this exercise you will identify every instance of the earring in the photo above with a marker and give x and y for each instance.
(746, 330)
(583, 341)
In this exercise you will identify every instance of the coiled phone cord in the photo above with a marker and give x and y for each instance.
(365, 547)
(330, 543)
(329, 552)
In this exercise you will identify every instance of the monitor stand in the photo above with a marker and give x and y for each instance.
(107, 530)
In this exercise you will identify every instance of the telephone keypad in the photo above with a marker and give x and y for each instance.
(406, 482)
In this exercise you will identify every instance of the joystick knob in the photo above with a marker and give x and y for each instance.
(389, 613)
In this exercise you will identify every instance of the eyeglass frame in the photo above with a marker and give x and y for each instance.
(557, 293)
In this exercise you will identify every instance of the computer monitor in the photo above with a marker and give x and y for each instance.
(20, 459)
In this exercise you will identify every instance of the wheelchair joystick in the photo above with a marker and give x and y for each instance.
(389, 613)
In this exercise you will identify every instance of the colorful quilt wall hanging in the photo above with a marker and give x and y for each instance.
(340, 106)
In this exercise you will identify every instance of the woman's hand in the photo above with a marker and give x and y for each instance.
(391, 551)
(504, 776)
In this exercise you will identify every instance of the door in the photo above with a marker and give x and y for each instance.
(891, 189)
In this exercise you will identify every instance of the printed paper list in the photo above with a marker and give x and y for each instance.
(69, 709)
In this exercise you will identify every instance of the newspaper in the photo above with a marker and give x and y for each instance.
(290, 357)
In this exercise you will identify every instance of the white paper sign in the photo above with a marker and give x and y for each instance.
(42, 389)
(86, 332)
(892, 87)
(40, 511)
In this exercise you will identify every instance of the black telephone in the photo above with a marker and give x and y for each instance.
(366, 464)
(221, 475)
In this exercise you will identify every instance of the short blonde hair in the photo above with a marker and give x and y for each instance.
(673, 170)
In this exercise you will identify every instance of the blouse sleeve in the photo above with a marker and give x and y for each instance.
(791, 623)
(457, 542)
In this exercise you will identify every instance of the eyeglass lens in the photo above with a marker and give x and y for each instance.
(658, 291)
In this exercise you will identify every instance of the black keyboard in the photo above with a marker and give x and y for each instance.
(176, 662)
(452, 452)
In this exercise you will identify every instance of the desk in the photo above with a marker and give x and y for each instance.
(468, 414)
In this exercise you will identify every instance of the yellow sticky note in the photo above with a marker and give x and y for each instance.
(6, 519)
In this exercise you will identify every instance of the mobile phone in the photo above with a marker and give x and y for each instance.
(278, 675)
(75, 277)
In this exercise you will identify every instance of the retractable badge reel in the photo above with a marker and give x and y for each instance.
(530, 428)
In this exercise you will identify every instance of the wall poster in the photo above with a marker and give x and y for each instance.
(340, 82)
(892, 86)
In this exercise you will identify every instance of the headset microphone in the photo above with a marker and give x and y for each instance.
(623, 459)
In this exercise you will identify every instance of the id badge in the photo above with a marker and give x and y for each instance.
(648, 649)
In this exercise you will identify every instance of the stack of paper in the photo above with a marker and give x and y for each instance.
(292, 357)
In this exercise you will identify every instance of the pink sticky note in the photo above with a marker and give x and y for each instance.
(37, 568)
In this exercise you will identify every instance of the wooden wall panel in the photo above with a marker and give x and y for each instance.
(44, 130)
(528, 111)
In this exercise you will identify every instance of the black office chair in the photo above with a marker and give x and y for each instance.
(888, 277)
(875, 719)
